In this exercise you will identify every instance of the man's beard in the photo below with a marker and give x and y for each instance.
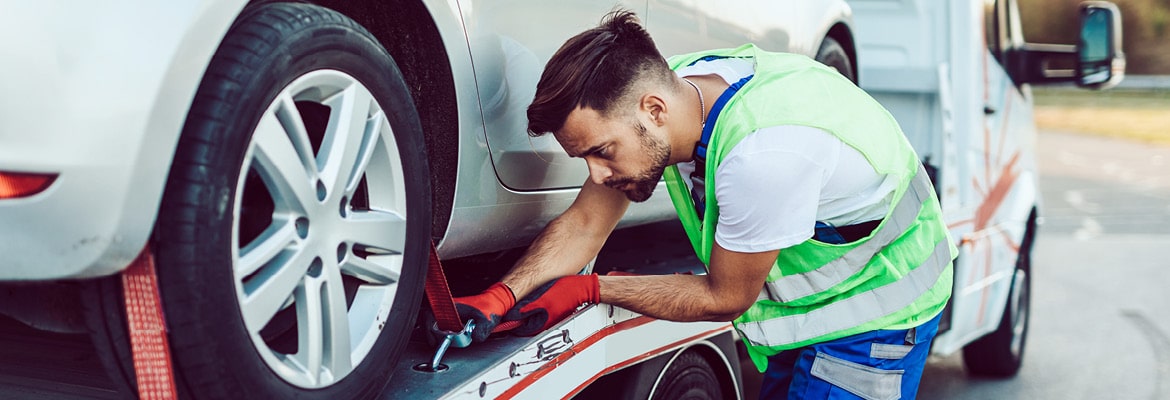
(643, 183)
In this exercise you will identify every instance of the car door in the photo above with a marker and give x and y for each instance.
(510, 42)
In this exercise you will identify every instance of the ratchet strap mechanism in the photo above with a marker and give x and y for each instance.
(447, 324)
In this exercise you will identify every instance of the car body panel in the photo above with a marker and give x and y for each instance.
(509, 186)
(510, 43)
(107, 88)
(487, 215)
(104, 91)
(683, 26)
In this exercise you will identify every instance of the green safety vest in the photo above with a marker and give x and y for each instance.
(898, 277)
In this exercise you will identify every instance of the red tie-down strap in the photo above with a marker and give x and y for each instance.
(443, 304)
(148, 333)
(439, 296)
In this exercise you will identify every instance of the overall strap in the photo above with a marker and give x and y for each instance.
(698, 176)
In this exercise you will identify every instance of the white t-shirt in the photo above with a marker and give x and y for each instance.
(778, 181)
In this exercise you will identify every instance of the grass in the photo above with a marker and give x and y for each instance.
(1142, 115)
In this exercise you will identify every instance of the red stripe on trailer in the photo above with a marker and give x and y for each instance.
(148, 333)
(644, 356)
(552, 364)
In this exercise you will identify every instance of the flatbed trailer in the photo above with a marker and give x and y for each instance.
(565, 360)
(601, 351)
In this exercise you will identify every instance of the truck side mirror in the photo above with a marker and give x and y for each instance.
(1095, 62)
(1100, 62)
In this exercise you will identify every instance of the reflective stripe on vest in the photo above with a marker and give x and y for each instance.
(792, 287)
(853, 311)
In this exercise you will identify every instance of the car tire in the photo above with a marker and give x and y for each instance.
(293, 233)
(688, 377)
(1001, 353)
(831, 53)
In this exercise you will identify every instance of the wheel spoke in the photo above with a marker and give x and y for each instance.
(323, 337)
(349, 139)
(378, 231)
(310, 331)
(370, 135)
(290, 118)
(282, 166)
(279, 237)
(379, 270)
(336, 325)
(266, 292)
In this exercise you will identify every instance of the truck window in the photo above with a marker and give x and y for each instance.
(1003, 32)
(991, 27)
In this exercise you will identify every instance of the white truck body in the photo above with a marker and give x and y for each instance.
(928, 63)
(943, 69)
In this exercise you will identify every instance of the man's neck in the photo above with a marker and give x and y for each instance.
(711, 86)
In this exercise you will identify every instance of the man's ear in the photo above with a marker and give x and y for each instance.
(655, 106)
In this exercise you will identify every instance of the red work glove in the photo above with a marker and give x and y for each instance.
(485, 309)
(552, 302)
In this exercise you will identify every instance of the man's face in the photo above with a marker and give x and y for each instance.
(620, 152)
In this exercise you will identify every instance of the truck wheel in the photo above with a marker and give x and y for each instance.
(833, 54)
(293, 232)
(689, 377)
(1000, 353)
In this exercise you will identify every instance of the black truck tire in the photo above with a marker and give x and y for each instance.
(1001, 353)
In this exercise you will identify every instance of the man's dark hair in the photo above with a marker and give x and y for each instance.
(595, 69)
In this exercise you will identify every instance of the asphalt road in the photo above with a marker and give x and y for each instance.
(1100, 323)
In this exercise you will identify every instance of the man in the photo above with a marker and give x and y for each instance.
(820, 230)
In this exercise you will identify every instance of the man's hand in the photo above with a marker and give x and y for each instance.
(552, 302)
(485, 309)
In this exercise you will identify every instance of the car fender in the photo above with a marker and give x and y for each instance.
(106, 88)
(832, 14)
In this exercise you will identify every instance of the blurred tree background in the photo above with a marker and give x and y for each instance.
(1145, 30)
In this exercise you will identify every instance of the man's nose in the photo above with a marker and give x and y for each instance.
(597, 172)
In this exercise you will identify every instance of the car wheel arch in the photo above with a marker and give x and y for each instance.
(163, 118)
(843, 35)
(426, 66)
(725, 371)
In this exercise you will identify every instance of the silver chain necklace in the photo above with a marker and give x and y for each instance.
(702, 105)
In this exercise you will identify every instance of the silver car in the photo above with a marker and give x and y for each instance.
(287, 166)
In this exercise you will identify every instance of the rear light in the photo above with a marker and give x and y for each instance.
(15, 185)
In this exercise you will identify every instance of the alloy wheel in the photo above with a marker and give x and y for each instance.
(320, 228)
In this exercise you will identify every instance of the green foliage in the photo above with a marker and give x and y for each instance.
(1158, 21)
(1131, 114)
